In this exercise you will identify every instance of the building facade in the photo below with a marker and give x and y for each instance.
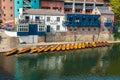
(38, 22)
(0, 10)
(52, 4)
(100, 22)
(106, 18)
(7, 11)
(81, 6)
(25, 4)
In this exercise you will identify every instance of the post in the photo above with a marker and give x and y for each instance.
(73, 7)
(74, 34)
(94, 4)
(0, 39)
(93, 37)
(84, 10)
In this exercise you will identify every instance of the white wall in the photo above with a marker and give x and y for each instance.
(53, 21)
(29, 39)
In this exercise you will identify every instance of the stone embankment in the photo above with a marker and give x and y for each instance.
(8, 43)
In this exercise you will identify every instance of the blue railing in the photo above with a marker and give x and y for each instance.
(82, 20)
(107, 24)
(115, 28)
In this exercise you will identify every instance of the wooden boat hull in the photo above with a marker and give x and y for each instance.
(67, 46)
(79, 46)
(25, 50)
(63, 47)
(41, 49)
(53, 48)
(47, 48)
(34, 50)
(75, 46)
(71, 46)
(58, 48)
(11, 52)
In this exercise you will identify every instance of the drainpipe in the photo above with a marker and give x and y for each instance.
(84, 7)
(73, 7)
(51, 5)
(94, 4)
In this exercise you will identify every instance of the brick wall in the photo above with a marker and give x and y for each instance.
(103, 16)
(62, 37)
(8, 9)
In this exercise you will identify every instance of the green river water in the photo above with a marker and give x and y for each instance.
(101, 63)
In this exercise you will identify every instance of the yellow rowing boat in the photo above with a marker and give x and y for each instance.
(63, 47)
(58, 48)
(34, 50)
(67, 46)
(47, 48)
(79, 45)
(24, 50)
(53, 47)
(75, 46)
(41, 49)
(11, 52)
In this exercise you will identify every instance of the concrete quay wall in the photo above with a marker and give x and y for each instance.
(8, 43)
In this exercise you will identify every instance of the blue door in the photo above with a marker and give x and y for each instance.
(48, 28)
(33, 29)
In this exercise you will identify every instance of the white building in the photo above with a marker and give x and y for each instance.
(38, 22)
(47, 20)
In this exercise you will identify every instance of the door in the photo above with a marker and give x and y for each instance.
(33, 33)
(33, 29)
(48, 28)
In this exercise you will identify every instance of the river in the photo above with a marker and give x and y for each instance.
(85, 64)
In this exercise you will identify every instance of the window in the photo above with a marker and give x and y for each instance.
(11, 15)
(4, 14)
(58, 19)
(35, 1)
(75, 29)
(103, 29)
(83, 29)
(4, 7)
(27, 18)
(37, 18)
(70, 29)
(18, 2)
(41, 28)
(48, 18)
(3, 0)
(22, 28)
(18, 10)
(108, 29)
(11, 7)
(94, 29)
(88, 29)
(58, 27)
(11, 0)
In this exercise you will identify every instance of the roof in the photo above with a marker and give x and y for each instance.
(43, 12)
(105, 10)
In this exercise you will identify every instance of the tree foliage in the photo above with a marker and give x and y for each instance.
(115, 4)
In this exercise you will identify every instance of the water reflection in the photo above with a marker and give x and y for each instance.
(78, 62)
(95, 63)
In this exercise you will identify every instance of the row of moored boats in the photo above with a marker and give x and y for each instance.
(57, 47)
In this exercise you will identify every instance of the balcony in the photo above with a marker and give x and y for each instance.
(89, 7)
(67, 6)
(107, 24)
(26, 4)
(31, 22)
